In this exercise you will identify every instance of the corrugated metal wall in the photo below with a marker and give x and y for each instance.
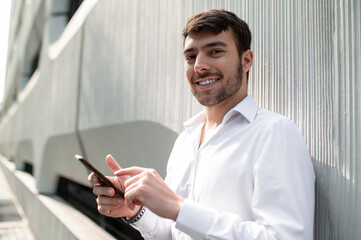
(308, 68)
(344, 168)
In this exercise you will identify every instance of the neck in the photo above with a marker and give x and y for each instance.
(216, 113)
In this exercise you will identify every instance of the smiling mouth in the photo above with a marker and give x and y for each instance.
(208, 81)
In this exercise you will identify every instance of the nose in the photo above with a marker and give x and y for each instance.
(201, 65)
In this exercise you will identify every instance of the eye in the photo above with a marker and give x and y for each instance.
(216, 51)
(190, 57)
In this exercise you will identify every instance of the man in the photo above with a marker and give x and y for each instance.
(237, 171)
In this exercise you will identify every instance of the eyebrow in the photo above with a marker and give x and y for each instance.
(208, 45)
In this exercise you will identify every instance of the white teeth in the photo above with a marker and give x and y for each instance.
(207, 82)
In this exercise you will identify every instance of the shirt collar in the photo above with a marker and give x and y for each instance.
(247, 108)
(195, 120)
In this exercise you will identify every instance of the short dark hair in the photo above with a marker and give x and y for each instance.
(217, 21)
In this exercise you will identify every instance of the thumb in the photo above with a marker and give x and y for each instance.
(112, 164)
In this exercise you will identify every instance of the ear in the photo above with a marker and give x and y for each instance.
(247, 60)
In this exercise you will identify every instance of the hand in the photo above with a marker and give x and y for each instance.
(147, 188)
(110, 204)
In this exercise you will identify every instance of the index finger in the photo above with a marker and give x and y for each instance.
(129, 171)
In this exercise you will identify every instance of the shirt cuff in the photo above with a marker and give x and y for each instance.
(147, 224)
(195, 219)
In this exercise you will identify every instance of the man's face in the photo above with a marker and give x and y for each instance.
(213, 66)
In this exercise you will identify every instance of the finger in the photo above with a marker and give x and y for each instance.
(110, 201)
(131, 199)
(140, 179)
(132, 183)
(103, 191)
(94, 179)
(130, 171)
(134, 196)
(112, 164)
(105, 210)
(146, 176)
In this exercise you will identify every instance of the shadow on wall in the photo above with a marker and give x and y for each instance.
(337, 204)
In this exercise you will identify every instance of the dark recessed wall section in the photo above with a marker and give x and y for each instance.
(83, 199)
(35, 62)
(73, 7)
(28, 167)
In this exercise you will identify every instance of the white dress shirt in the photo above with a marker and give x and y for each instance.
(252, 178)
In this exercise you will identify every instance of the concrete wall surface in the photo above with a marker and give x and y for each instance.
(112, 81)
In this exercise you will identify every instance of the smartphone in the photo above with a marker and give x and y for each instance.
(99, 174)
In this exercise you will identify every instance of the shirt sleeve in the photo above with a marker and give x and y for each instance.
(153, 227)
(283, 198)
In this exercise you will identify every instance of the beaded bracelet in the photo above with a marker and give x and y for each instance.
(136, 218)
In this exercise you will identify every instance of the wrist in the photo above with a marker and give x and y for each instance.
(136, 217)
(177, 209)
(134, 212)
